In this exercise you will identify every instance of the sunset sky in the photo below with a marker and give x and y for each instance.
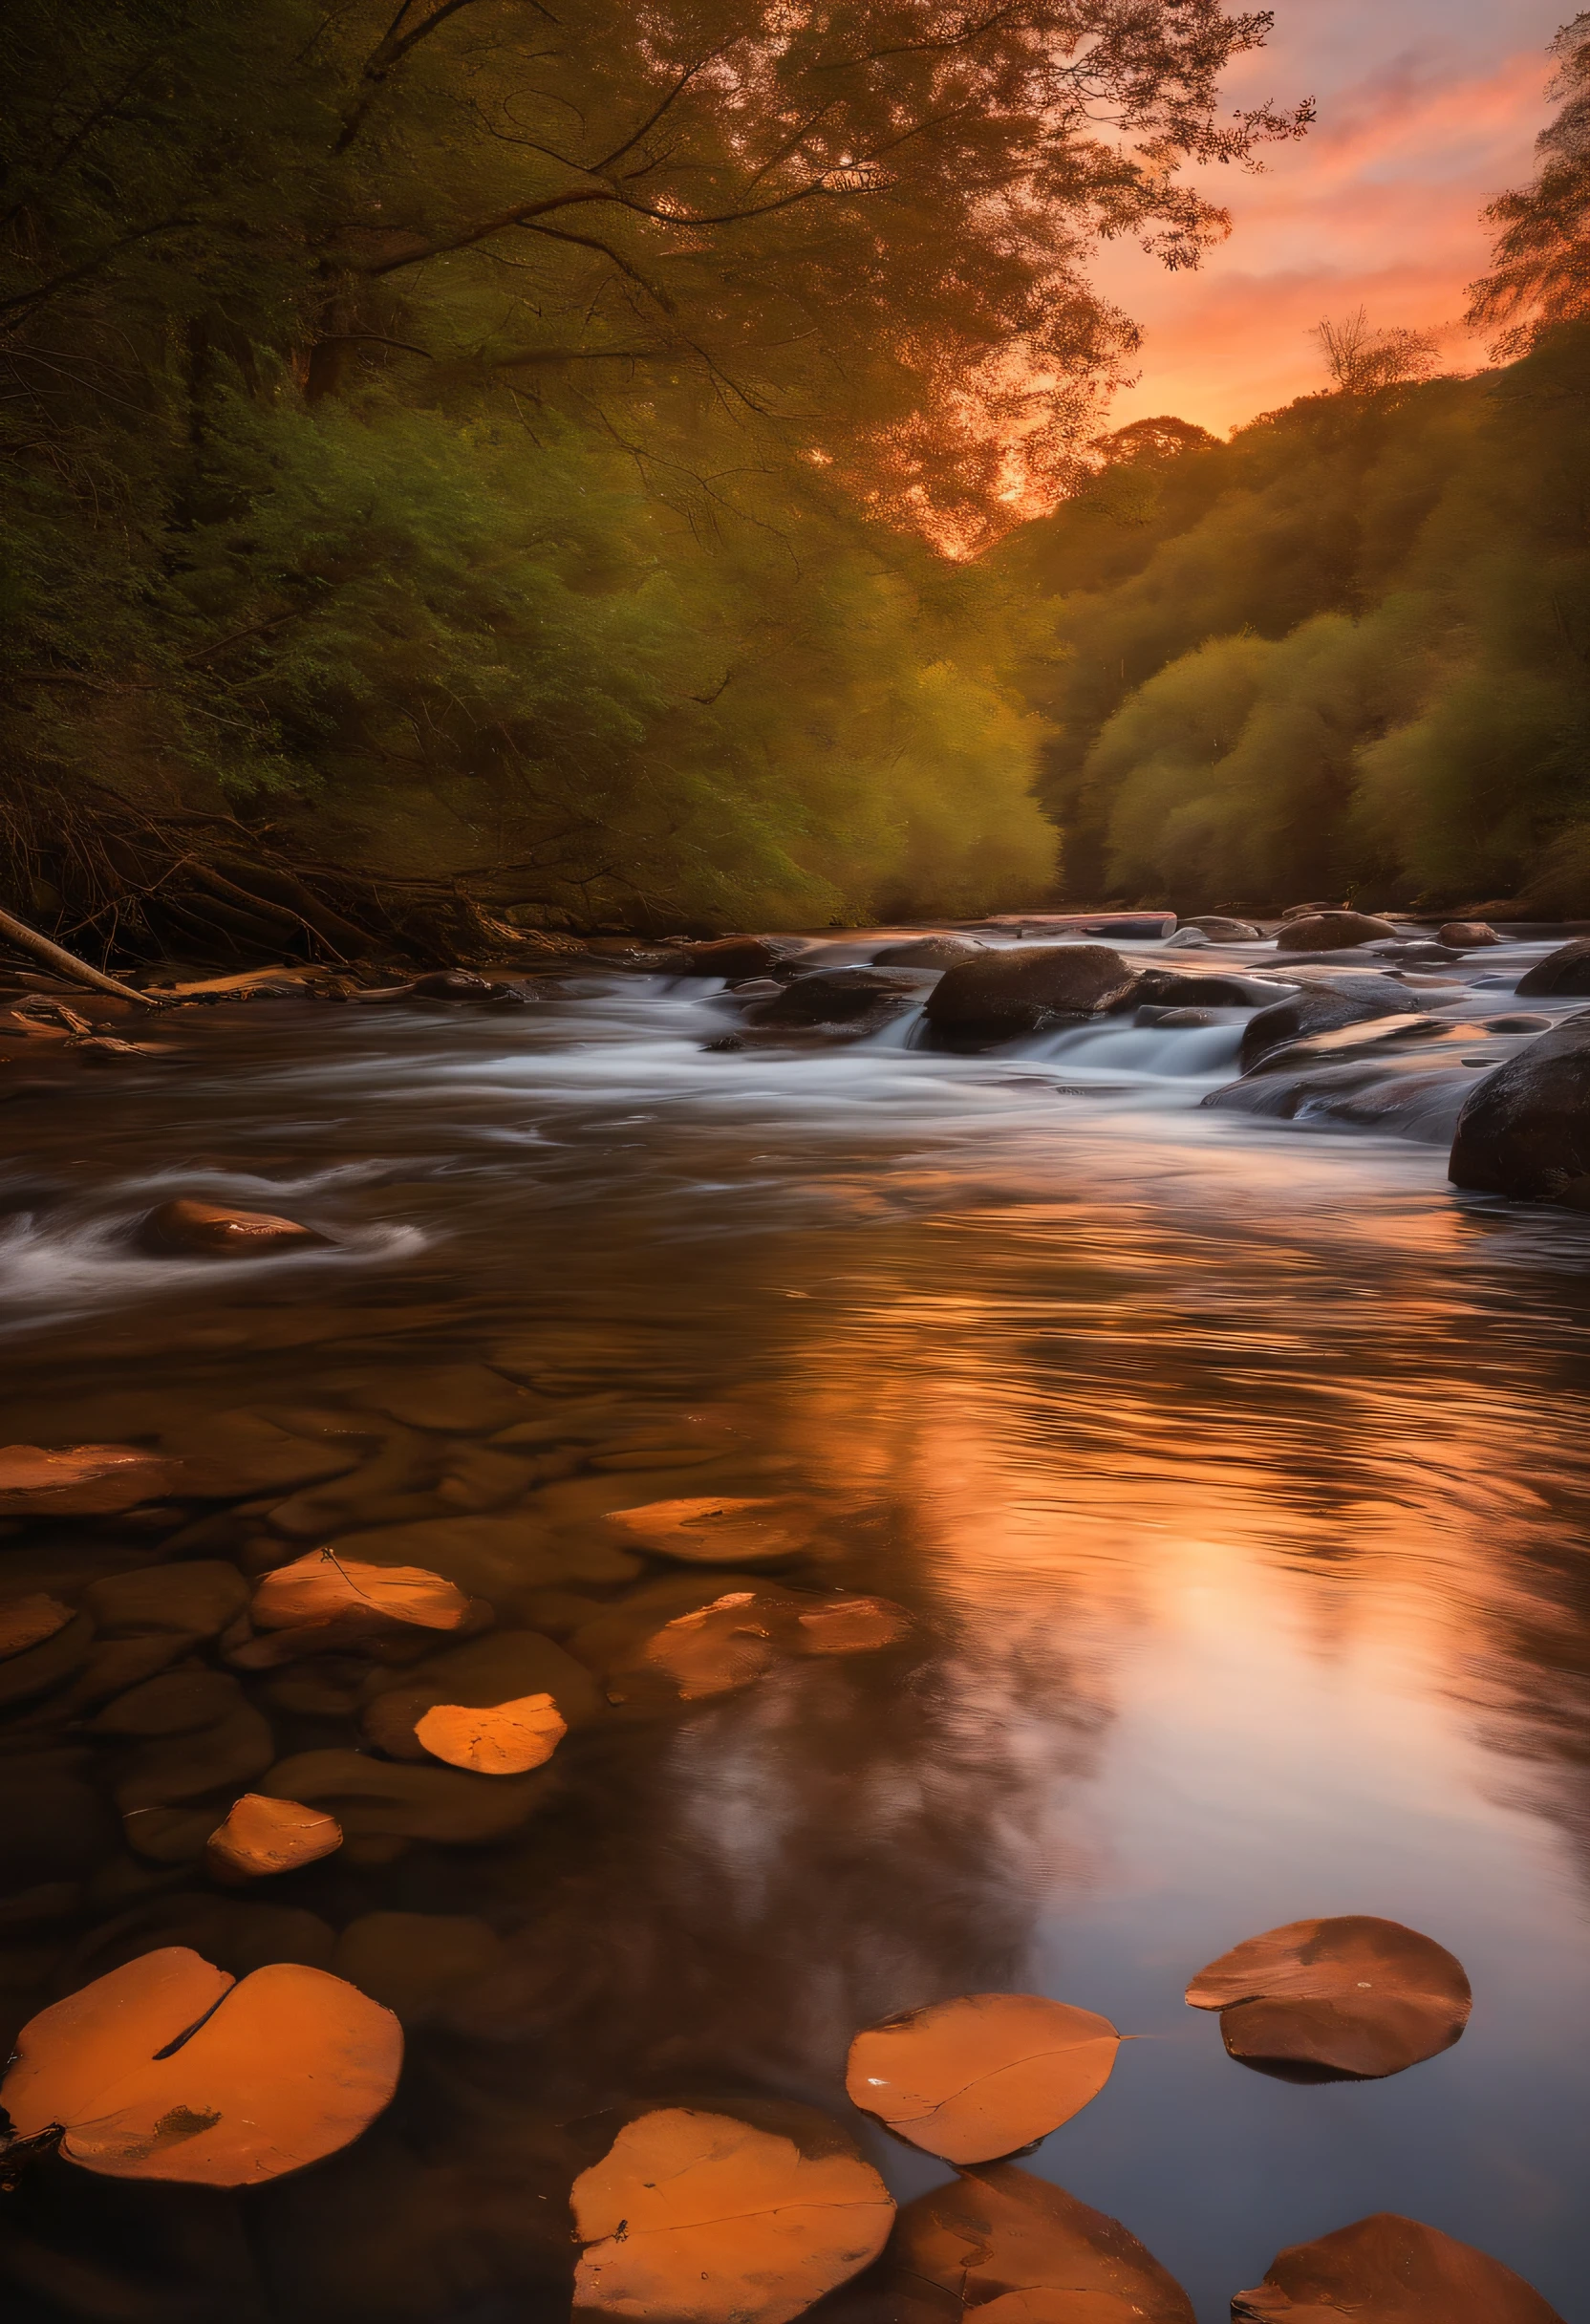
(1427, 109)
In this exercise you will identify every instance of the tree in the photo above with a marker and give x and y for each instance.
(1362, 360)
(1541, 274)
(865, 222)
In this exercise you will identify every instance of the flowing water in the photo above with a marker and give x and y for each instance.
(1232, 1466)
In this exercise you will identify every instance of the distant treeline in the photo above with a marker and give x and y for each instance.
(1346, 653)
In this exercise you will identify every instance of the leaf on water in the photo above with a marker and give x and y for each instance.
(79, 1480)
(261, 1836)
(504, 1740)
(978, 2078)
(169, 2069)
(1386, 2269)
(1354, 1996)
(711, 1530)
(28, 1622)
(705, 2220)
(323, 1587)
(717, 1648)
(999, 2237)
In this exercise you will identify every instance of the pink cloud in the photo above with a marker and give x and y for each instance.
(1379, 206)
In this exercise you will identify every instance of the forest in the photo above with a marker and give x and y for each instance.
(578, 470)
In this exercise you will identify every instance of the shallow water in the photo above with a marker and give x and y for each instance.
(1233, 1469)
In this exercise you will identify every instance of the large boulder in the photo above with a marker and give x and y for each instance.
(1006, 993)
(1567, 970)
(1331, 930)
(840, 995)
(1525, 1130)
(1319, 1008)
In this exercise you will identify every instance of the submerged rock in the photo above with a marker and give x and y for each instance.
(1331, 930)
(929, 952)
(208, 1229)
(840, 995)
(1567, 970)
(1008, 993)
(1525, 1128)
(1346, 1043)
(1319, 1008)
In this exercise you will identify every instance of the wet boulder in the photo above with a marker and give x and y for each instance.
(1466, 936)
(1005, 993)
(1319, 1008)
(737, 955)
(929, 952)
(1331, 930)
(1566, 971)
(1176, 988)
(211, 1230)
(842, 996)
(1346, 1043)
(1525, 1130)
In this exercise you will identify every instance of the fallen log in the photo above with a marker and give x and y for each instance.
(54, 956)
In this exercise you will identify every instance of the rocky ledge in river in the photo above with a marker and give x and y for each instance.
(1005, 993)
(1325, 1002)
(1525, 1130)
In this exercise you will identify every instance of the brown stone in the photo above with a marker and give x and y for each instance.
(209, 1230)
(1332, 931)
(1566, 971)
(1525, 1128)
(1015, 990)
(1466, 936)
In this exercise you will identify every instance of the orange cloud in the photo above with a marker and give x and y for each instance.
(1379, 207)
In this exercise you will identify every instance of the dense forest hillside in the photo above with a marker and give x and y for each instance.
(1346, 653)
(478, 453)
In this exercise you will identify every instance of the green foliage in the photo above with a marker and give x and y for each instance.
(451, 445)
(1349, 651)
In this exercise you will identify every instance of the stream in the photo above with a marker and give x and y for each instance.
(1231, 1466)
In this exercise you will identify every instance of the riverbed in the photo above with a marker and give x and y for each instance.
(1233, 1471)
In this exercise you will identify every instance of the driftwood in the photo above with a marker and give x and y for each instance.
(40, 948)
(137, 885)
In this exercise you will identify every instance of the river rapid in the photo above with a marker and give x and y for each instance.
(1232, 1466)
